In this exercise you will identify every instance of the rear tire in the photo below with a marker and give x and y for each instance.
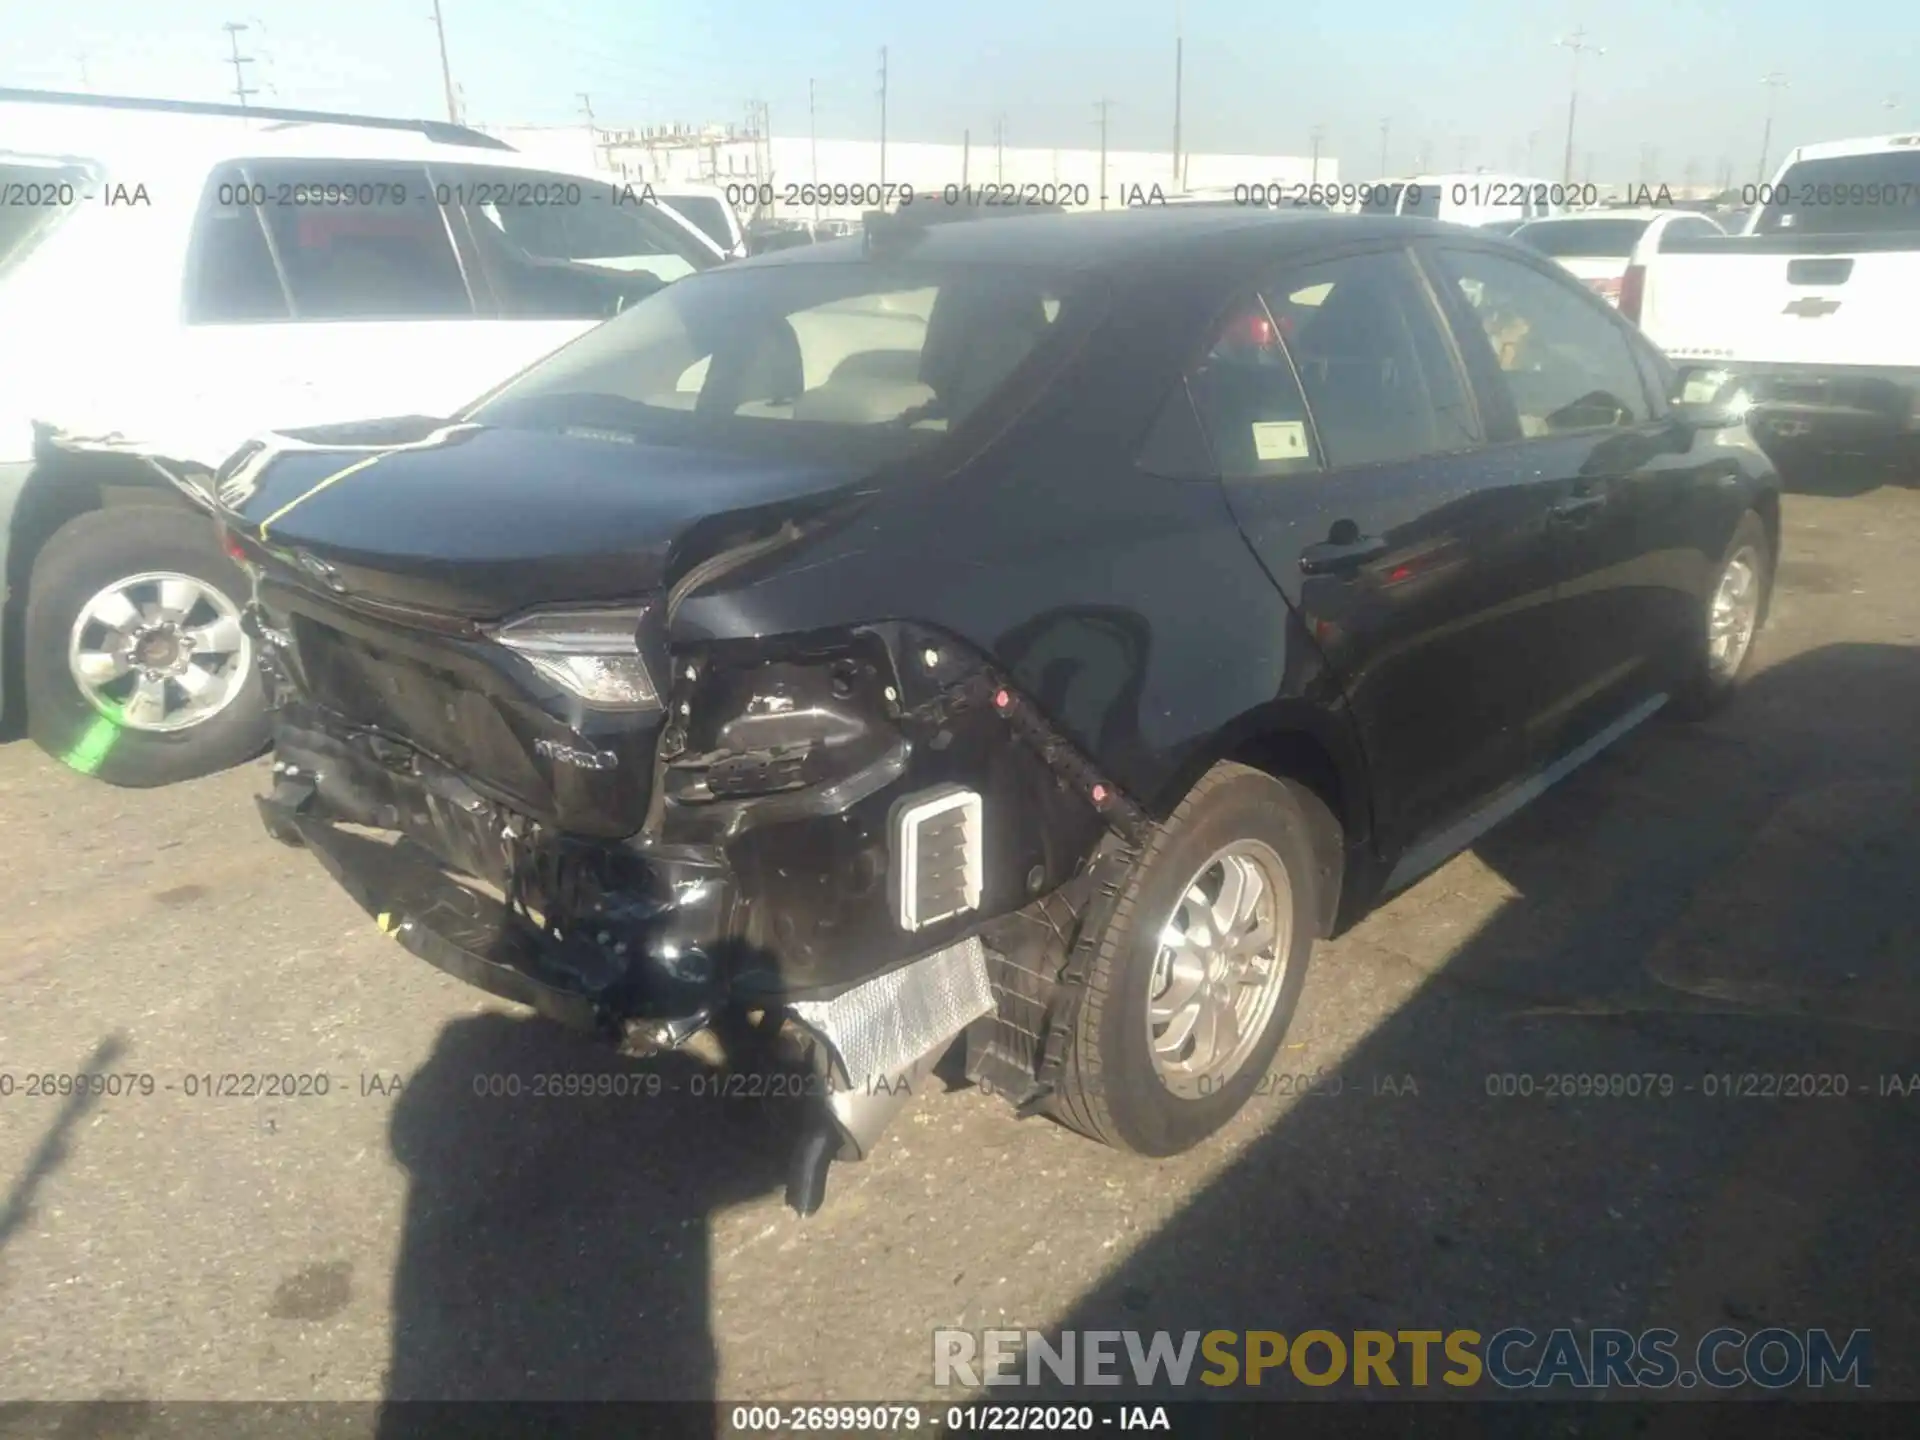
(92, 555)
(1712, 676)
(1114, 1089)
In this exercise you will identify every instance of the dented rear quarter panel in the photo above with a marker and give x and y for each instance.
(1127, 606)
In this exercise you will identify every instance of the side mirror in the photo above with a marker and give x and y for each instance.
(1712, 414)
(1710, 399)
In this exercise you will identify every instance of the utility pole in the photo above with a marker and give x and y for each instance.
(1466, 151)
(1579, 45)
(883, 119)
(1318, 134)
(1775, 83)
(241, 89)
(1103, 106)
(1385, 127)
(999, 148)
(446, 70)
(593, 130)
(86, 80)
(813, 150)
(1533, 144)
(1179, 66)
(966, 154)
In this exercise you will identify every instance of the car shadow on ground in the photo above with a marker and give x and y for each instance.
(1718, 899)
(556, 1246)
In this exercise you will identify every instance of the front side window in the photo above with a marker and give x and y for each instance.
(707, 213)
(355, 241)
(559, 246)
(1564, 364)
(857, 354)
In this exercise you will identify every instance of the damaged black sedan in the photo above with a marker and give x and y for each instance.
(1013, 644)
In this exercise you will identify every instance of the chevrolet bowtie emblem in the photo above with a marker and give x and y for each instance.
(1811, 308)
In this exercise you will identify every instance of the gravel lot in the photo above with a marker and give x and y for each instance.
(1732, 898)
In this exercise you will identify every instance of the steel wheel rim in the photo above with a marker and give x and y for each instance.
(159, 652)
(1734, 614)
(1220, 966)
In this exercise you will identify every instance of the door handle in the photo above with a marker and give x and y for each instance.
(1576, 507)
(1331, 556)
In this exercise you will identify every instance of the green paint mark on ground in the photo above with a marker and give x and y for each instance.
(95, 745)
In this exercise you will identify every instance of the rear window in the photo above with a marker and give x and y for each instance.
(1602, 239)
(1422, 200)
(707, 213)
(34, 199)
(843, 356)
(1845, 195)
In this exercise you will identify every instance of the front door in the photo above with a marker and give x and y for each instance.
(1350, 449)
(1569, 404)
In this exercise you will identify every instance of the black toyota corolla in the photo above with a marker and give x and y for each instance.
(1011, 645)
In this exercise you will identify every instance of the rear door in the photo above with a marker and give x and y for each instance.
(1349, 445)
(1632, 510)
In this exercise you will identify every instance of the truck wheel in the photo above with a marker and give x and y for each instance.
(1198, 973)
(137, 668)
(1722, 647)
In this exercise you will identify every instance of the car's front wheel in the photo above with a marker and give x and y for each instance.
(1729, 623)
(1197, 976)
(137, 668)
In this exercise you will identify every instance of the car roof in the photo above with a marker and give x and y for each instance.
(1870, 145)
(139, 144)
(1636, 212)
(1088, 240)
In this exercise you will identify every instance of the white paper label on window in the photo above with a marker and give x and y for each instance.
(1280, 440)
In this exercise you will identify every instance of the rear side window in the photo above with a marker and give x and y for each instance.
(34, 200)
(1248, 401)
(351, 241)
(231, 275)
(1373, 360)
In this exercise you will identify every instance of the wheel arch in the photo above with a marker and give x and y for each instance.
(1311, 748)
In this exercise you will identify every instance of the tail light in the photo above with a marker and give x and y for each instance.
(1633, 289)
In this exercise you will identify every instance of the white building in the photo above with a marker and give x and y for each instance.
(767, 175)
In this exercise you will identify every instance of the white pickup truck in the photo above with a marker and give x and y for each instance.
(1810, 315)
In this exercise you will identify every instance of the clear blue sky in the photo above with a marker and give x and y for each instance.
(1471, 79)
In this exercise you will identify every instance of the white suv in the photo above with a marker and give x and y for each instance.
(177, 277)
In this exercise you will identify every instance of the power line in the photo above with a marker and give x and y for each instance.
(241, 89)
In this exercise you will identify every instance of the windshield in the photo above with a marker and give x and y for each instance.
(1601, 239)
(838, 355)
(1845, 195)
(709, 214)
(35, 197)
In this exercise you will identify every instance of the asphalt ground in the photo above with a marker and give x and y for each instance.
(1703, 903)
